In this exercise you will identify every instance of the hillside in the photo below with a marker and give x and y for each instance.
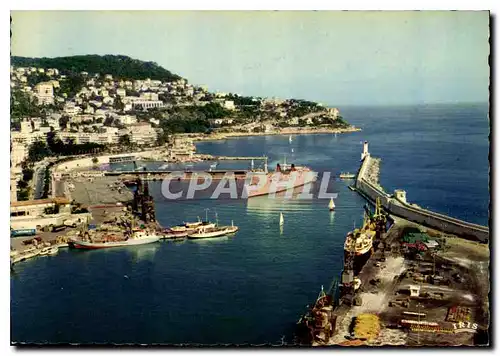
(117, 65)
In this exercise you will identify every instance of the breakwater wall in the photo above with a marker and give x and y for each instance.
(397, 205)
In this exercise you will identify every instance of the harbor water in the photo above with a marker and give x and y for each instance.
(252, 287)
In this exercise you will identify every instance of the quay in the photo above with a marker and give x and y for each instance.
(186, 175)
(420, 285)
(207, 157)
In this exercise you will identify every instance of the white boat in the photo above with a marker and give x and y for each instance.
(190, 227)
(347, 175)
(207, 231)
(331, 205)
(163, 166)
(138, 237)
(204, 233)
(290, 138)
(53, 250)
(213, 166)
(282, 219)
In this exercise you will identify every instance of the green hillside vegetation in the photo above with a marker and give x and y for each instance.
(117, 65)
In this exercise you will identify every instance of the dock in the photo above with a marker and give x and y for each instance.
(419, 286)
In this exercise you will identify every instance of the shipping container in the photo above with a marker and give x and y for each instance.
(22, 232)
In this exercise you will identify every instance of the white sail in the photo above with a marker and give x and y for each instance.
(282, 219)
(331, 206)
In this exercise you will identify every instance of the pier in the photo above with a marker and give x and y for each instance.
(186, 175)
(367, 185)
(424, 282)
(207, 157)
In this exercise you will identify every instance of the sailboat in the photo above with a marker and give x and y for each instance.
(290, 138)
(282, 219)
(331, 205)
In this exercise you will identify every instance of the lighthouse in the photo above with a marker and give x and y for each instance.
(365, 150)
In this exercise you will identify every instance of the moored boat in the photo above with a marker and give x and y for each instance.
(361, 240)
(347, 175)
(138, 237)
(205, 233)
(285, 177)
(53, 250)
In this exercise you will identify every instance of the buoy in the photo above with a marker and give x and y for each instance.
(282, 219)
(331, 205)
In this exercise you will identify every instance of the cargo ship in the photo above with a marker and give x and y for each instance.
(138, 237)
(284, 177)
(361, 240)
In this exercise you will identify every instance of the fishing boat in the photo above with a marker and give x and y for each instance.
(53, 250)
(282, 219)
(347, 175)
(137, 237)
(284, 177)
(331, 205)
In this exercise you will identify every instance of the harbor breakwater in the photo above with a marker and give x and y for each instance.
(396, 204)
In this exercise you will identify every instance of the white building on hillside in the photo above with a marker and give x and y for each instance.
(142, 133)
(44, 92)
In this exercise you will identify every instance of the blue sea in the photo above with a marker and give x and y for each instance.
(251, 288)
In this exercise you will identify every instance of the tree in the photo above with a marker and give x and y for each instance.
(117, 65)
(95, 160)
(63, 121)
(37, 151)
(162, 138)
(118, 104)
(108, 121)
(124, 140)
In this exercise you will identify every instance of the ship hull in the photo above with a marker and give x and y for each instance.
(208, 235)
(359, 261)
(285, 182)
(100, 245)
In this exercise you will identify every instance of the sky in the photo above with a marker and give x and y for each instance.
(338, 58)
